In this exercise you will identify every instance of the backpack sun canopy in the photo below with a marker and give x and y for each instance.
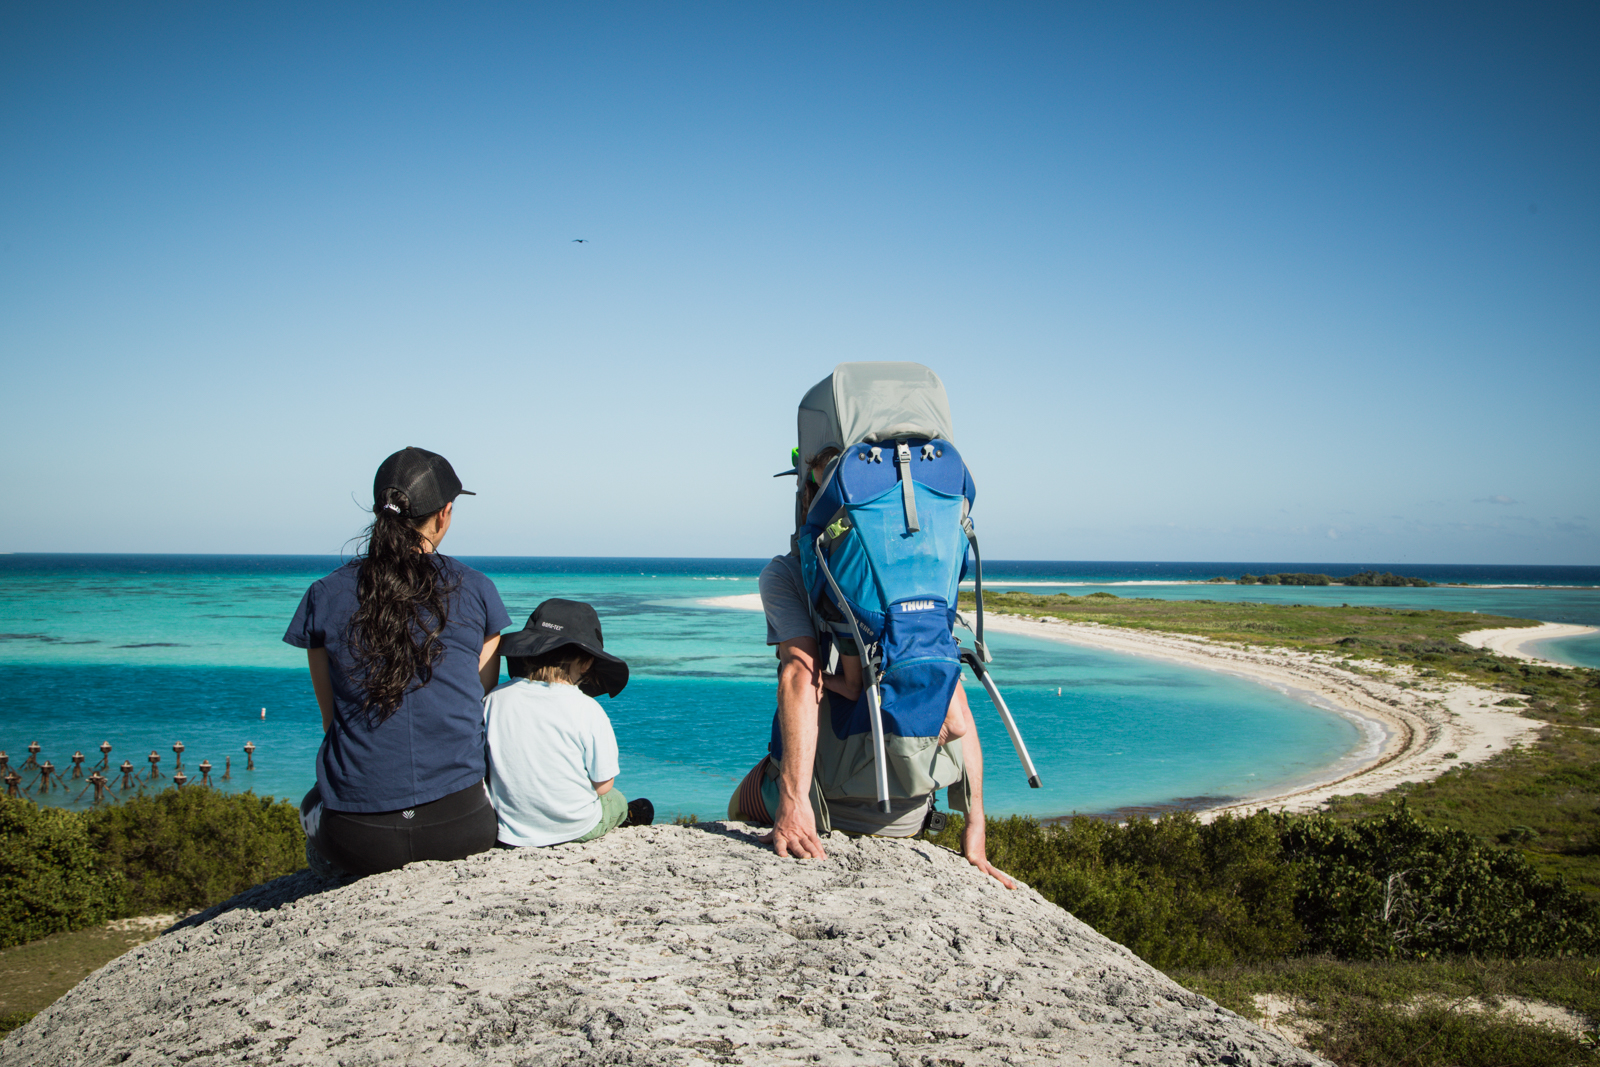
(868, 402)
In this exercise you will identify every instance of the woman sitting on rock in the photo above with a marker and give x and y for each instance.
(402, 644)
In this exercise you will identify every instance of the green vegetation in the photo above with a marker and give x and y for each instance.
(1364, 578)
(1312, 627)
(173, 851)
(1392, 887)
(52, 878)
(1182, 893)
(183, 849)
(1498, 862)
(1370, 578)
(1285, 579)
(34, 975)
(1375, 928)
(1383, 1014)
(1543, 801)
(1173, 890)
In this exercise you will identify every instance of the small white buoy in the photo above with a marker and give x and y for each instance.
(263, 713)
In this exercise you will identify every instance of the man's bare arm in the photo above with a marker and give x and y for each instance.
(794, 829)
(974, 839)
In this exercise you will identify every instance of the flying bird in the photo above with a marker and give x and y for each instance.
(580, 240)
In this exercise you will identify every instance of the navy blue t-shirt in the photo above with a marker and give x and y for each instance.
(432, 745)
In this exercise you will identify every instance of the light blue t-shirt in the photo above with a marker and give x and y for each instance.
(547, 744)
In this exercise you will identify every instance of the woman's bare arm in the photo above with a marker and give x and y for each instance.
(322, 684)
(489, 662)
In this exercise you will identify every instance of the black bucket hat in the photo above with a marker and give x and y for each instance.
(569, 622)
(426, 478)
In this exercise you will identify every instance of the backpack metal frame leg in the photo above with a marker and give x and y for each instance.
(971, 660)
(977, 659)
(874, 696)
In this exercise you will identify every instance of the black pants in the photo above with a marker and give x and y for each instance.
(450, 828)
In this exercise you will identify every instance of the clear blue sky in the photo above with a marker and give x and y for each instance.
(1205, 281)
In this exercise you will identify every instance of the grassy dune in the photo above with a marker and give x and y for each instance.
(1541, 802)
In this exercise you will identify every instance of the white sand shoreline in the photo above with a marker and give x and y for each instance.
(740, 601)
(1426, 727)
(1429, 726)
(1514, 641)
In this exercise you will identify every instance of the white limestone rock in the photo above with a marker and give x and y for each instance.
(659, 945)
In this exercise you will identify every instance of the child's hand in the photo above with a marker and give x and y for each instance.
(847, 682)
(838, 683)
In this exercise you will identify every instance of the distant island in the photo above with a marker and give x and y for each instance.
(1366, 578)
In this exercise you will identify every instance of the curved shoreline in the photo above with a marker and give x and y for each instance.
(1429, 727)
(1514, 641)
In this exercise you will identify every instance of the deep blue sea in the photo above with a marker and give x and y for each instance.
(145, 651)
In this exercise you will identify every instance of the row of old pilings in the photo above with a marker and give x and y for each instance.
(47, 777)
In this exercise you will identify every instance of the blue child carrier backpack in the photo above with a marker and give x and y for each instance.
(883, 550)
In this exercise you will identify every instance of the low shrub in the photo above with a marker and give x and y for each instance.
(1182, 893)
(1432, 1013)
(190, 848)
(176, 850)
(52, 879)
(1174, 890)
(1391, 887)
(1373, 578)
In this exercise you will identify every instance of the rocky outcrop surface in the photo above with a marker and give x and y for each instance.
(662, 945)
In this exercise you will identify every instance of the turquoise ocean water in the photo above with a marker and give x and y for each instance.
(143, 651)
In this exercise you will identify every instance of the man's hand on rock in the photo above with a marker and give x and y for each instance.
(974, 848)
(795, 833)
(982, 863)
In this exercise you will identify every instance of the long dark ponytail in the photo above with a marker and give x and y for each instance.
(403, 593)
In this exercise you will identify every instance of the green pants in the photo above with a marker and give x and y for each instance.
(613, 809)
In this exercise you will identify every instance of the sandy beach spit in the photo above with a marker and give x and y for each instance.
(741, 602)
(1427, 726)
(1513, 641)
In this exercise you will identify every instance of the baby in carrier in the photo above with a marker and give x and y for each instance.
(552, 754)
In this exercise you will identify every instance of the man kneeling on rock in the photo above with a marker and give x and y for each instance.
(785, 790)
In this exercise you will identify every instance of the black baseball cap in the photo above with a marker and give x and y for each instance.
(426, 478)
(569, 622)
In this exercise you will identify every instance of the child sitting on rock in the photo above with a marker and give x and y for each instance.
(551, 751)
